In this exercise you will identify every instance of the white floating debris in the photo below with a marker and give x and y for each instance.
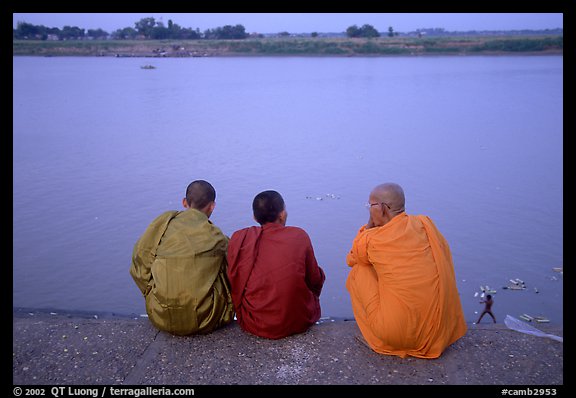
(53, 313)
(541, 319)
(515, 284)
(514, 287)
(475, 294)
(326, 196)
(146, 316)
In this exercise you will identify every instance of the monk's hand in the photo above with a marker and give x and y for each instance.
(370, 223)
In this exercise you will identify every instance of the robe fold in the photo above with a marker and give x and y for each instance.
(403, 288)
(275, 280)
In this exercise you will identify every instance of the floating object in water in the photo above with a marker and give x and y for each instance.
(147, 67)
(542, 320)
(326, 196)
(515, 284)
(528, 317)
(476, 294)
(522, 327)
(536, 290)
(515, 287)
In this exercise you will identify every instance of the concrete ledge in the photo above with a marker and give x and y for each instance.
(74, 349)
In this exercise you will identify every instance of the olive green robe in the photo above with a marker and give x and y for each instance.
(179, 265)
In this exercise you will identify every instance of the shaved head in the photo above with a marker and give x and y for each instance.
(199, 194)
(390, 193)
(267, 206)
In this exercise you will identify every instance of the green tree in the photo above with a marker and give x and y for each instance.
(353, 31)
(226, 32)
(160, 32)
(369, 31)
(390, 32)
(145, 26)
(365, 31)
(25, 30)
(97, 33)
(125, 34)
(71, 33)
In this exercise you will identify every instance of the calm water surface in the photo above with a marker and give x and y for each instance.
(101, 147)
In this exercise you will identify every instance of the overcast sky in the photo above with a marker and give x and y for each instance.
(302, 22)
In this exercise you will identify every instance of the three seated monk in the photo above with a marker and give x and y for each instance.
(401, 283)
(273, 273)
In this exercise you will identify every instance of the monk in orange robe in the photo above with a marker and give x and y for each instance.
(402, 284)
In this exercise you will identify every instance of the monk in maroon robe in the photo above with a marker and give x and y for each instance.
(274, 277)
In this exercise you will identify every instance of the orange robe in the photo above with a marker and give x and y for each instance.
(403, 289)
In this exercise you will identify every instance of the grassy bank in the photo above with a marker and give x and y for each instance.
(292, 46)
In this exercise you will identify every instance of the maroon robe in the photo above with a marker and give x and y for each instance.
(275, 280)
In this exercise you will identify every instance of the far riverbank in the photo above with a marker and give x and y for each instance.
(480, 45)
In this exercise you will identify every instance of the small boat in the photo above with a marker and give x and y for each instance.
(147, 67)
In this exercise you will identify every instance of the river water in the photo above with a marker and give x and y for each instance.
(101, 147)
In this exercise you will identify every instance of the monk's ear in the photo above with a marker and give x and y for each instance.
(185, 203)
(283, 216)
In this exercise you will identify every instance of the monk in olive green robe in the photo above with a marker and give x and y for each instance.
(179, 265)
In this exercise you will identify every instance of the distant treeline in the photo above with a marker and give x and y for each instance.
(151, 29)
(145, 29)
